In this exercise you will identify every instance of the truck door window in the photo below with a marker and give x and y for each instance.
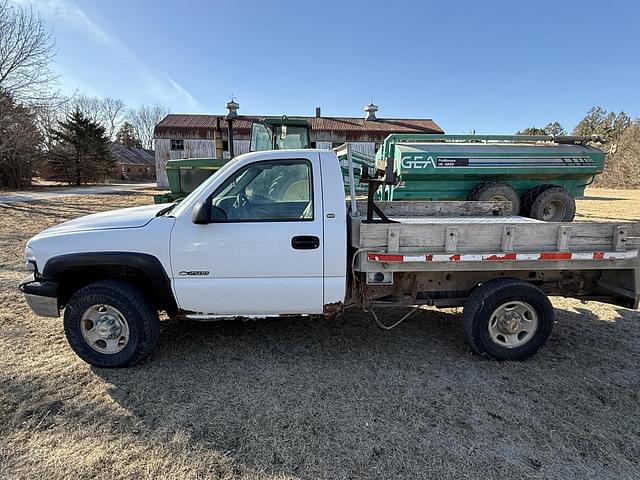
(279, 191)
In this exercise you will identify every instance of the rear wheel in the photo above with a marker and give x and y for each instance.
(530, 196)
(496, 192)
(555, 204)
(111, 324)
(507, 319)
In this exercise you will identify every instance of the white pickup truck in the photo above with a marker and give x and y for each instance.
(271, 234)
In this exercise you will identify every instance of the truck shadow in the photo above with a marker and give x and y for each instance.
(306, 397)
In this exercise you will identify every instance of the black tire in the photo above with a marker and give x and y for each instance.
(141, 318)
(488, 299)
(554, 204)
(530, 196)
(495, 191)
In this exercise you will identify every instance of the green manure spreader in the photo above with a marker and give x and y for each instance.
(540, 175)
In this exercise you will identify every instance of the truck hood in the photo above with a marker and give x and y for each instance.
(133, 217)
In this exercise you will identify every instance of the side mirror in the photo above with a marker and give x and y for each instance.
(201, 213)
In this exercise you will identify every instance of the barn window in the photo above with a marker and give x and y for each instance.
(177, 144)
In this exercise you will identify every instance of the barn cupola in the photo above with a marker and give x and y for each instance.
(232, 106)
(371, 110)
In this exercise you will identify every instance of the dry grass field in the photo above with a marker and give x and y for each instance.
(301, 398)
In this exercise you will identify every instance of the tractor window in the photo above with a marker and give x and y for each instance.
(260, 138)
(288, 137)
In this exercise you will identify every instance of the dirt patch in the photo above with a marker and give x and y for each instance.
(303, 398)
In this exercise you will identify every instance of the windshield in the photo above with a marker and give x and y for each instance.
(288, 137)
(184, 203)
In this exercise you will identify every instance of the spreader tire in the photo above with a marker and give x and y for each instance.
(554, 204)
(495, 192)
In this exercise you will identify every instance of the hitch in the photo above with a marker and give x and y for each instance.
(382, 177)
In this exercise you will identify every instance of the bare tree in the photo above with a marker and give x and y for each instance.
(144, 121)
(26, 49)
(622, 168)
(107, 111)
(89, 106)
(113, 112)
(20, 141)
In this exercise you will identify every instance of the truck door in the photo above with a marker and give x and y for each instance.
(263, 252)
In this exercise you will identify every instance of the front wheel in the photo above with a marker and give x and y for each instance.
(507, 319)
(111, 324)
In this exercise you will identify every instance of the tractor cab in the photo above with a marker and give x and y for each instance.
(279, 133)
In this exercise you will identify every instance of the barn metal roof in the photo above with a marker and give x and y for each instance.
(132, 156)
(203, 126)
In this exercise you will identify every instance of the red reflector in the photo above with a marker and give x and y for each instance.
(506, 256)
(555, 256)
(598, 255)
(383, 257)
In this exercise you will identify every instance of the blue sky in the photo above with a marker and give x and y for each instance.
(489, 66)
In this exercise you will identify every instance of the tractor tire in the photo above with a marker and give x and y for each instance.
(554, 204)
(111, 323)
(507, 319)
(496, 192)
(530, 196)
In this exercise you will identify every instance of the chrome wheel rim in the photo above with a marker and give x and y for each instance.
(553, 211)
(513, 324)
(498, 198)
(105, 329)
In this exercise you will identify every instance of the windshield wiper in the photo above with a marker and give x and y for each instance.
(166, 210)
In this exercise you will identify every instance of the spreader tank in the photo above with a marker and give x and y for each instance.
(448, 167)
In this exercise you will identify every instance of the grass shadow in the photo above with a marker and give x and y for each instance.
(317, 398)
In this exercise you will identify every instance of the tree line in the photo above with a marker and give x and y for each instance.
(621, 136)
(68, 135)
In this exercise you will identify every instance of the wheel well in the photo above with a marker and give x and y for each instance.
(73, 272)
(73, 279)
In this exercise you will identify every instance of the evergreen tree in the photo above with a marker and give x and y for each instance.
(608, 125)
(127, 136)
(554, 128)
(551, 128)
(81, 153)
(531, 131)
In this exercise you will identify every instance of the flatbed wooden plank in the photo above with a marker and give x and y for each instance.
(488, 237)
(439, 209)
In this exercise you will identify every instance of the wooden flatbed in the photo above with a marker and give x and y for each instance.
(452, 237)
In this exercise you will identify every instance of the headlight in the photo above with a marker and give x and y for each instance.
(30, 260)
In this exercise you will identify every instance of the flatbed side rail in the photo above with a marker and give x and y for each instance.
(428, 246)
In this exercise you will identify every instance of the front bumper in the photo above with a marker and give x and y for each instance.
(41, 296)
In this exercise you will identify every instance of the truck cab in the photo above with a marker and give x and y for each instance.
(270, 225)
